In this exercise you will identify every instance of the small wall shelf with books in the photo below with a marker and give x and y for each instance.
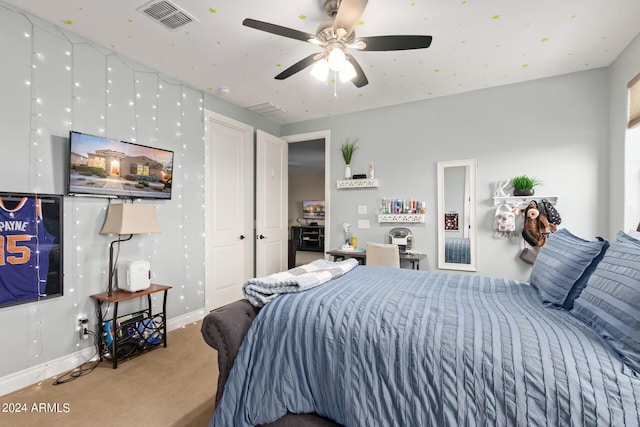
(401, 210)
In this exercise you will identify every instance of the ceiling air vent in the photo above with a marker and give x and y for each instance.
(167, 13)
(267, 109)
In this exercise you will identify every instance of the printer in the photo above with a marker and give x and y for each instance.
(402, 237)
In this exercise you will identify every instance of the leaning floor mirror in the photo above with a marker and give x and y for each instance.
(457, 234)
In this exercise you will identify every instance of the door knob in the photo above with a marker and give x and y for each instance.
(261, 237)
(241, 237)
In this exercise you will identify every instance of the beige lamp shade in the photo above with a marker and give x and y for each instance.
(129, 218)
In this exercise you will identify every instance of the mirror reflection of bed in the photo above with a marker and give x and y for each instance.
(457, 250)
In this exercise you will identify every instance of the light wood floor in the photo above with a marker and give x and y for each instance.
(173, 387)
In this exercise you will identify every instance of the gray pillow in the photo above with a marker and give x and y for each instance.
(563, 267)
(611, 301)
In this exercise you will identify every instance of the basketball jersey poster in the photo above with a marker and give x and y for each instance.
(30, 247)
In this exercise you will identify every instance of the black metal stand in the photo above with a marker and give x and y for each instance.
(117, 337)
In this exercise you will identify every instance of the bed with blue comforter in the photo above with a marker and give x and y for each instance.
(382, 346)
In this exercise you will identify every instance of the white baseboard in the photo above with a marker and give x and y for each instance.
(44, 371)
(185, 319)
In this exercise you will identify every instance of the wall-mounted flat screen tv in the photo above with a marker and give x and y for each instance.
(313, 209)
(100, 166)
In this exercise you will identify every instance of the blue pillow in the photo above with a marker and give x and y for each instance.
(563, 267)
(611, 301)
(627, 237)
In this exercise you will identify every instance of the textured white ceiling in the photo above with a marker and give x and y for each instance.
(476, 44)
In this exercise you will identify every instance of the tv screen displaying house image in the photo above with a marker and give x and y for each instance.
(313, 209)
(100, 166)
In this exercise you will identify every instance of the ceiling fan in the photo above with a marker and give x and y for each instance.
(335, 35)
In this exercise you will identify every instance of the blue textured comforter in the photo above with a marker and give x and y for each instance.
(394, 347)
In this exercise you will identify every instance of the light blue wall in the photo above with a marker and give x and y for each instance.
(555, 129)
(51, 82)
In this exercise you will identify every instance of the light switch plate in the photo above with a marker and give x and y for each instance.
(362, 210)
(363, 223)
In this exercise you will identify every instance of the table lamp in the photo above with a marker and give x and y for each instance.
(347, 230)
(127, 218)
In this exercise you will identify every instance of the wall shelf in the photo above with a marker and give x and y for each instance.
(407, 218)
(522, 200)
(357, 183)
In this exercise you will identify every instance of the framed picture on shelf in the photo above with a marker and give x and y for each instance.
(451, 221)
(30, 247)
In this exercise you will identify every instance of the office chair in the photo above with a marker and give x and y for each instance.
(382, 254)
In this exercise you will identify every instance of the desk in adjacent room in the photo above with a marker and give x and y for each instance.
(361, 256)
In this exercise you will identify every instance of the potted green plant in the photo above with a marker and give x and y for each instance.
(524, 185)
(347, 148)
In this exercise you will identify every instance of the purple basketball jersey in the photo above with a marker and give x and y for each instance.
(24, 251)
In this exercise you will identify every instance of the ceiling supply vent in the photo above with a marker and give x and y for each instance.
(167, 13)
(267, 109)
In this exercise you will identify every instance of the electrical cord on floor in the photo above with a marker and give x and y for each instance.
(84, 369)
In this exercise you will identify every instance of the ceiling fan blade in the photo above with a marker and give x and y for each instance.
(381, 43)
(297, 67)
(349, 14)
(278, 30)
(360, 79)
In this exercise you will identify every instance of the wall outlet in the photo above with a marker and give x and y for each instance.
(83, 329)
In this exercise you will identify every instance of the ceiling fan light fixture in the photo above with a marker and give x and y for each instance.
(320, 70)
(337, 59)
(357, 44)
(348, 72)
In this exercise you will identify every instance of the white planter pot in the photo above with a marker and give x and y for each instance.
(347, 172)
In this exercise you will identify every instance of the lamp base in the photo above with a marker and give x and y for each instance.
(111, 266)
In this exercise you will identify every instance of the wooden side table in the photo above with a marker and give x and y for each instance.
(119, 296)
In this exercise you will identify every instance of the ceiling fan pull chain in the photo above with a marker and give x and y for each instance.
(335, 85)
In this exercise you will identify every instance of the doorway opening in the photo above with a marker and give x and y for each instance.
(308, 208)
